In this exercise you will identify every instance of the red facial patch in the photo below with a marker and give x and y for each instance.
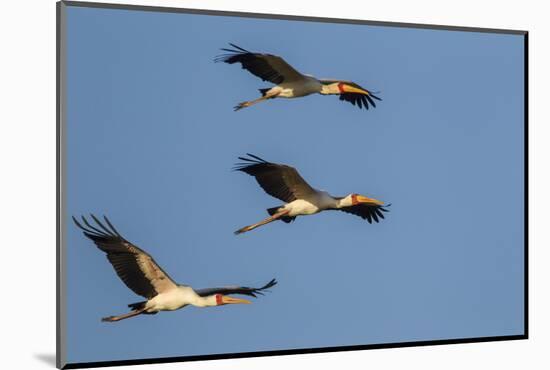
(354, 199)
(341, 87)
(219, 299)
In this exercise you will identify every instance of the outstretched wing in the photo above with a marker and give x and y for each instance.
(136, 268)
(367, 212)
(268, 67)
(361, 100)
(236, 290)
(278, 180)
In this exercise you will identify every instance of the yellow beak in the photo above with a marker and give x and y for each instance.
(355, 90)
(231, 300)
(367, 200)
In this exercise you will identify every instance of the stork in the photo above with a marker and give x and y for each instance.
(139, 271)
(285, 183)
(289, 83)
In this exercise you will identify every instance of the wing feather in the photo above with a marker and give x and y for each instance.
(268, 67)
(361, 100)
(135, 267)
(278, 180)
(236, 290)
(367, 212)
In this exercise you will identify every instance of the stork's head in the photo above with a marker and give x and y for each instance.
(224, 299)
(356, 199)
(341, 87)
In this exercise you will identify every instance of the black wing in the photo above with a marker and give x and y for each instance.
(236, 290)
(278, 180)
(361, 100)
(136, 268)
(268, 67)
(367, 212)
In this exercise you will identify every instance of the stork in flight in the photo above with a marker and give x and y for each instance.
(289, 82)
(285, 183)
(139, 271)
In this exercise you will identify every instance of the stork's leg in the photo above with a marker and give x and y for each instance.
(263, 222)
(249, 103)
(122, 317)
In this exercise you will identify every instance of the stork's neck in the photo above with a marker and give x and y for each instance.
(330, 88)
(188, 295)
(207, 301)
(342, 202)
(327, 201)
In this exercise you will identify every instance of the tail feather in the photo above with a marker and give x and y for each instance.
(273, 210)
(137, 305)
(264, 91)
(285, 219)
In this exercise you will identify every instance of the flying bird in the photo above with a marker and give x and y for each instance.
(289, 82)
(139, 271)
(285, 183)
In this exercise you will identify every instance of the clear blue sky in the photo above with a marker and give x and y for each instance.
(152, 138)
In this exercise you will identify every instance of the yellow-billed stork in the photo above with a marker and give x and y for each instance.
(139, 271)
(289, 82)
(285, 183)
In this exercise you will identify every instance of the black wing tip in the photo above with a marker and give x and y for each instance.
(368, 100)
(77, 223)
(231, 53)
(376, 215)
(99, 230)
(271, 283)
(256, 158)
(251, 160)
(265, 288)
(238, 47)
(362, 101)
(373, 94)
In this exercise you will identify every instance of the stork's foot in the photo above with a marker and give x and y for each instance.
(242, 105)
(243, 230)
(125, 316)
(110, 319)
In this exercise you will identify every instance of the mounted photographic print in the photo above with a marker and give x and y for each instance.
(237, 185)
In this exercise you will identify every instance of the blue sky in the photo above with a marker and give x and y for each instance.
(151, 139)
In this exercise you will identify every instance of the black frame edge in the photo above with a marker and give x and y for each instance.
(289, 352)
(228, 13)
(526, 182)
